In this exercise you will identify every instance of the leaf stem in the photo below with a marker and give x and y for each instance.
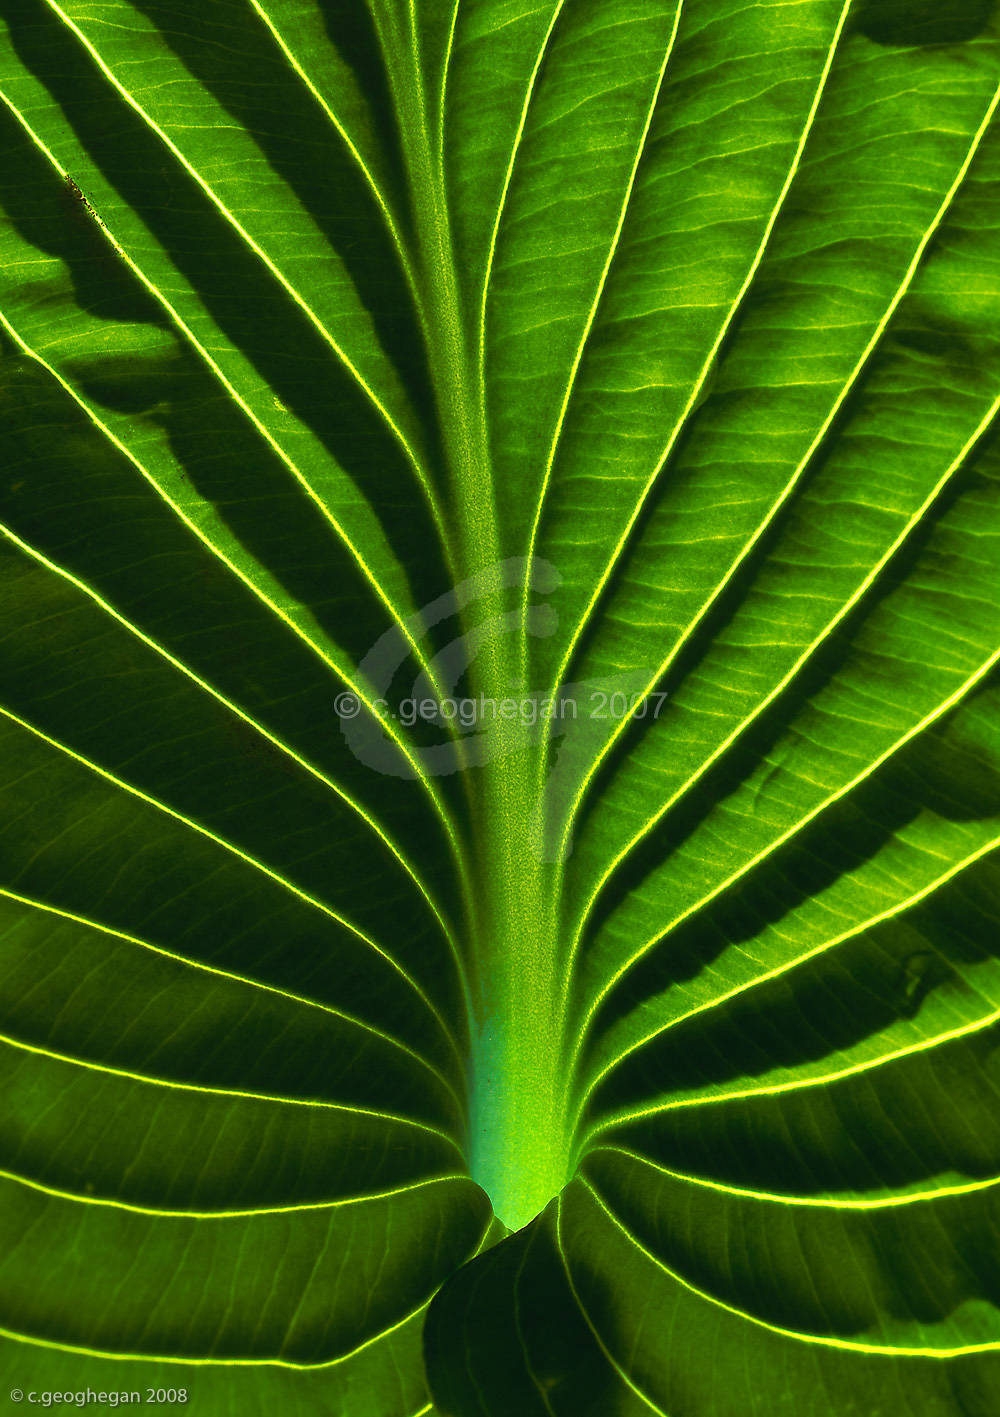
(517, 1142)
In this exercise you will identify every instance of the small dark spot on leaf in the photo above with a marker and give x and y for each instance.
(81, 198)
(905, 23)
(919, 973)
(77, 193)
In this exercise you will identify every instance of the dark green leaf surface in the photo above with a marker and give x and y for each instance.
(646, 353)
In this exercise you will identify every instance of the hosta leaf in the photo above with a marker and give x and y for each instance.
(499, 696)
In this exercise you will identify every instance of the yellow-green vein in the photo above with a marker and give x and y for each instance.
(258, 728)
(753, 861)
(202, 1090)
(248, 860)
(595, 305)
(881, 1350)
(218, 973)
(409, 451)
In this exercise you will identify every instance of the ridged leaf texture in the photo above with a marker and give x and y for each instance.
(636, 357)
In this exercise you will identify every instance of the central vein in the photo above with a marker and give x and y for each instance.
(517, 1145)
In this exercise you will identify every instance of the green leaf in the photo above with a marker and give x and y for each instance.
(500, 699)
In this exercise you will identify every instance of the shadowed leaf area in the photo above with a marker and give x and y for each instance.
(499, 701)
(903, 22)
